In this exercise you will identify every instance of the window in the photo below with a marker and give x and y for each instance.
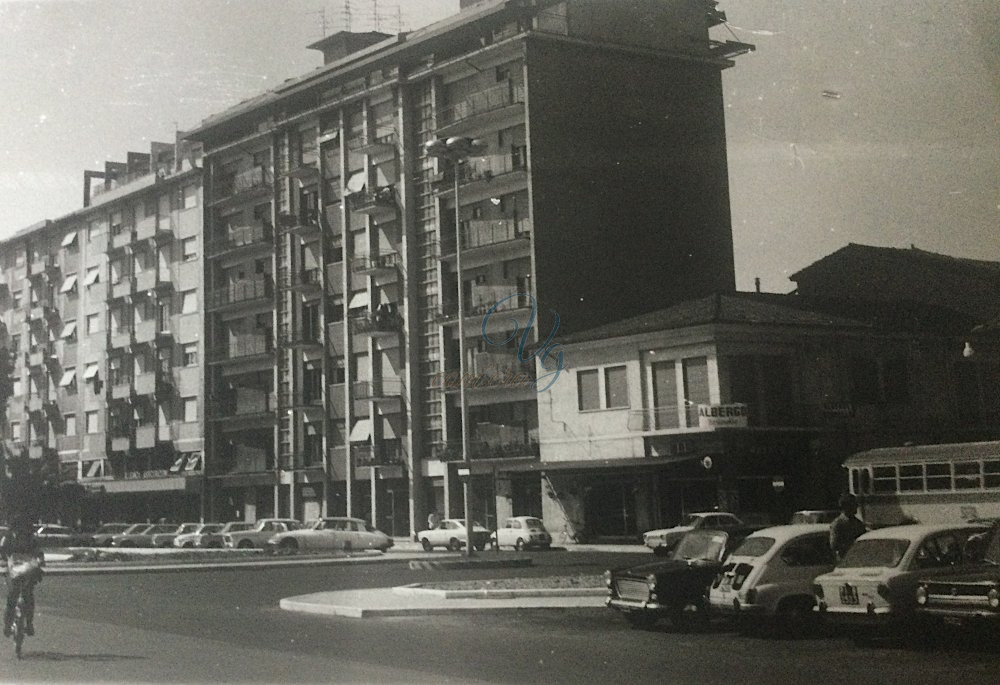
(911, 478)
(16, 299)
(938, 476)
(68, 379)
(15, 430)
(190, 409)
(149, 207)
(189, 248)
(93, 275)
(94, 324)
(68, 331)
(189, 301)
(68, 285)
(190, 196)
(884, 479)
(588, 395)
(968, 476)
(695, 387)
(69, 425)
(190, 354)
(92, 422)
(615, 387)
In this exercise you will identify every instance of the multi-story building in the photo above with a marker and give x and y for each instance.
(102, 309)
(750, 402)
(330, 272)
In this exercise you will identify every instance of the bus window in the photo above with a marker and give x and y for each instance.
(911, 478)
(939, 476)
(855, 485)
(866, 482)
(991, 470)
(884, 479)
(968, 476)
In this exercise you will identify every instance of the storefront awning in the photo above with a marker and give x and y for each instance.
(362, 431)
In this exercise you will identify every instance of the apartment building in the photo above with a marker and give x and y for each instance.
(331, 279)
(103, 314)
(750, 402)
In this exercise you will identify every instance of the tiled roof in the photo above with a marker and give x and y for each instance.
(723, 308)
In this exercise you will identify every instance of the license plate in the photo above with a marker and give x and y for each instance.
(848, 594)
(953, 621)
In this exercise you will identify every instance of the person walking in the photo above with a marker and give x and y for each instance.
(847, 527)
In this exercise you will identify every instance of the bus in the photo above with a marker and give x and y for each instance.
(927, 483)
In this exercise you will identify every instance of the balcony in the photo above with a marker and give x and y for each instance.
(36, 316)
(380, 266)
(491, 238)
(502, 296)
(381, 323)
(45, 265)
(121, 386)
(489, 449)
(151, 383)
(36, 357)
(37, 404)
(122, 288)
(146, 435)
(378, 202)
(121, 443)
(245, 184)
(303, 280)
(381, 140)
(258, 290)
(241, 349)
(387, 388)
(150, 280)
(39, 449)
(304, 164)
(304, 224)
(250, 238)
(147, 332)
(121, 337)
(487, 108)
(381, 454)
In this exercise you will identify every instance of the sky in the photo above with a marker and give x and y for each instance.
(867, 121)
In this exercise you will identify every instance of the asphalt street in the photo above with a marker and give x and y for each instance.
(225, 625)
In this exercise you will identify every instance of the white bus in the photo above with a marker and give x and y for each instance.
(927, 483)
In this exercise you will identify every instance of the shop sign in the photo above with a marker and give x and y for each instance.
(723, 415)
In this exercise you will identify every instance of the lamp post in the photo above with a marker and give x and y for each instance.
(455, 151)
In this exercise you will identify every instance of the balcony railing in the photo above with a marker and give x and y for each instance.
(386, 261)
(502, 364)
(500, 295)
(653, 418)
(387, 387)
(383, 454)
(305, 221)
(480, 449)
(379, 322)
(489, 100)
(383, 137)
(242, 347)
(238, 237)
(370, 201)
(303, 278)
(246, 290)
(486, 232)
(249, 180)
(244, 402)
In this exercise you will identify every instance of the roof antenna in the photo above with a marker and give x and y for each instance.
(756, 284)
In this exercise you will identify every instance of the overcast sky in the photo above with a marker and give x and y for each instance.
(871, 121)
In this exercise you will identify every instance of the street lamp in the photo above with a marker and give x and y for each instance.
(456, 150)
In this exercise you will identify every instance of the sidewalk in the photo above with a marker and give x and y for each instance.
(410, 600)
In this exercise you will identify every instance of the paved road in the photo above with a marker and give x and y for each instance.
(225, 625)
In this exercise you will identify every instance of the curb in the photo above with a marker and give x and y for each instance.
(417, 590)
(93, 569)
(466, 564)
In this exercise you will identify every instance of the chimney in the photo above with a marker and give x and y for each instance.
(339, 45)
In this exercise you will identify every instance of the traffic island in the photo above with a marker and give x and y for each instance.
(467, 563)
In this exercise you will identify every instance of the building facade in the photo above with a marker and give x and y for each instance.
(102, 314)
(330, 264)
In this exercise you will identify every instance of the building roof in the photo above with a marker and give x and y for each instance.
(722, 308)
(969, 286)
(960, 451)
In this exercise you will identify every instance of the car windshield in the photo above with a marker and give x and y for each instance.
(690, 520)
(135, 528)
(534, 523)
(188, 528)
(162, 529)
(211, 528)
(754, 547)
(704, 545)
(875, 552)
(236, 527)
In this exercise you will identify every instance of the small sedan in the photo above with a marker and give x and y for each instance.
(770, 575)
(49, 535)
(663, 540)
(167, 539)
(191, 539)
(675, 588)
(522, 532)
(216, 538)
(875, 583)
(332, 533)
(967, 598)
(450, 533)
(141, 534)
(102, 536)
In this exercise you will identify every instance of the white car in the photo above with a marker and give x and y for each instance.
(167, 539)
(258, 536)
(663, 540)
(450, 533)
(521, 532)
(876, 581)
(771, 574)
(190, 539)
(332, 533)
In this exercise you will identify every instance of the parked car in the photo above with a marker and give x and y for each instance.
(814, 516)
(675, 588)
(969, 597)
(450, 533)
(102, 536)
(217, 539)
(51, 535)
(875, 584)
(770, 575)
(258, 536)
(663, 540)
(167, 539)
(141, 535)
(332, 533)
(522, 532)
(192, 539)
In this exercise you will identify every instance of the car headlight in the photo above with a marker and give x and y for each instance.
(607, 578)
(651, 581)
(993, 597)
(922, 595)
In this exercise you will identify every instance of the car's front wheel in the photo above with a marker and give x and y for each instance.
(426, 544)
(519, 545)
(245, 544)
(289, 546)
(455, 545)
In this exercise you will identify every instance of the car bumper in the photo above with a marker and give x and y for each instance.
(736, 608)
(962, 613)
(859, 615)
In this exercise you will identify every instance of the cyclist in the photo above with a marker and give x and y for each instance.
(24, 559)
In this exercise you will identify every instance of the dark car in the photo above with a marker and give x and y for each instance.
(676, 588)
(972, 597)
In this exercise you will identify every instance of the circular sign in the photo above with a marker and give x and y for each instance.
(707, 463)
